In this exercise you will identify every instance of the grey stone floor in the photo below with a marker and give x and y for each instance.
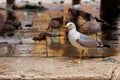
(58, 68)
(54, 68)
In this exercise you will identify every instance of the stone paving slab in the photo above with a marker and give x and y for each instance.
(57, 68)
(116, 75)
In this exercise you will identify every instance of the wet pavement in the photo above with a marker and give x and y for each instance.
(22, 44)
(13, 66)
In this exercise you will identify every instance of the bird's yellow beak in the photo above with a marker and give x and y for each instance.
(65, 26)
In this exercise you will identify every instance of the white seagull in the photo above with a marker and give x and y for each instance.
(80, 40)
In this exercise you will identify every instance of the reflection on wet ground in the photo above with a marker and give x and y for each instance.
(29, 47)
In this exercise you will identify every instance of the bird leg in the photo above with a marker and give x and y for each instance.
(81, 57)
(82, 54)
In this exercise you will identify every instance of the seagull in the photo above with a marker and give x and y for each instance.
(11, 44)
(80, 40)
(13, 40)
(94, 25)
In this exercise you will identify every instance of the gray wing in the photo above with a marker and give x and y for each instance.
(13, 41)
(86, 41)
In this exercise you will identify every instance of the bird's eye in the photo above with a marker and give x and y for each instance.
(70, 24)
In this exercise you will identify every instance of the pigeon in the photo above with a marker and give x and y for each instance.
(42, 36)
(80, 40)
(55, 23)
(94, 25)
